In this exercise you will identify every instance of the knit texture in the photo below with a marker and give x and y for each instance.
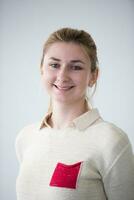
(91, 159)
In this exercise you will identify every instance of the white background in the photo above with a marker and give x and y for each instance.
(24, 26)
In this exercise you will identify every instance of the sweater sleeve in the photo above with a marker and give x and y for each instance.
(119, 179)
(23, 140)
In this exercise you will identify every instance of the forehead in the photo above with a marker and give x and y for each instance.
(64, 50)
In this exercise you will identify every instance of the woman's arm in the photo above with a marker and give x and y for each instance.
(119, 180)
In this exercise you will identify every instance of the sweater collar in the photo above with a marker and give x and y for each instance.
(81, 122)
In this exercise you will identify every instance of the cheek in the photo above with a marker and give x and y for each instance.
(44, 82)
(82, 79)
(47, 79)
(47, 75)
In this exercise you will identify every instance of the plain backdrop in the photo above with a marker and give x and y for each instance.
(24, 26)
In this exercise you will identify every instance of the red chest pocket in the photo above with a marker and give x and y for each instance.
(65, 175)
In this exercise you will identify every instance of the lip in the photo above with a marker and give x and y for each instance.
(65, 87)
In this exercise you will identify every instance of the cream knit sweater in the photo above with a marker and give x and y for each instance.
(89, 160)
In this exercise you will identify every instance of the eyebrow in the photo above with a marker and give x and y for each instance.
(72, 61)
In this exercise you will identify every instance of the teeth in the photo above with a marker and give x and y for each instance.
(63, 88)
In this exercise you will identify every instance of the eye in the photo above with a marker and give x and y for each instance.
(53, 65)
(76, 67)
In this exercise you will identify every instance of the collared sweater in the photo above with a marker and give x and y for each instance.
(91, 159)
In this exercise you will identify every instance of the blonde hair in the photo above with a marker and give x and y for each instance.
(76, 36)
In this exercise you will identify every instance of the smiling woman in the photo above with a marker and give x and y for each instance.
(67, 66)
(73, 153)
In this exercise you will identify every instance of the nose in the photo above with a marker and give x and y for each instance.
(62, 75)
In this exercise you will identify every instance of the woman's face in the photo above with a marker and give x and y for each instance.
(66, 72)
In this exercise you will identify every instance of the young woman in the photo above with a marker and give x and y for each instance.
(73, 153)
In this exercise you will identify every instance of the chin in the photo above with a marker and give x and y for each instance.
(65, 100)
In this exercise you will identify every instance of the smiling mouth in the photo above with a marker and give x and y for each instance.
(63, 88)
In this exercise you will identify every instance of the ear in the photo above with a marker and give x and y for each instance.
(93, 79)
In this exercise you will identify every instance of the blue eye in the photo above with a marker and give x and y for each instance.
(54, 65)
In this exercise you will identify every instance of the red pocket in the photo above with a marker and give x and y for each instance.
(65, 175)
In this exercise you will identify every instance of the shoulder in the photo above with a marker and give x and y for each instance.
(113, 145)
(27, 131)
(110, 131)
(24, 138)
(114, 140)
(109, 138)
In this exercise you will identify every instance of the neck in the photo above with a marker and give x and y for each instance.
(63, 114)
